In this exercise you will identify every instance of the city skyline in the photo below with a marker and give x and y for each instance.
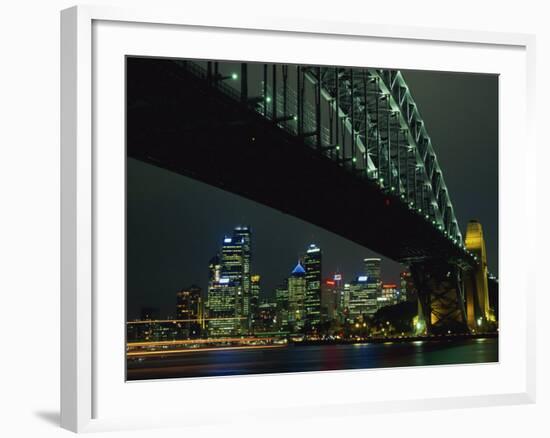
(306, 302)
(271, 278)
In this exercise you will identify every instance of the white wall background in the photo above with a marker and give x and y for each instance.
(29, 216)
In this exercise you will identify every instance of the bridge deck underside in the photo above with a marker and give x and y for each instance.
(177, 121)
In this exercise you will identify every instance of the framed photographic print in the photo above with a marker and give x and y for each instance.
(320, 208)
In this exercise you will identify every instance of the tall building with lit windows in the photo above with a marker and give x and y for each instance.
(391, 295)
(189, 308)
(243, 235)
(281, 299)
(222, 321)
(363, 294)
(296, 298)
(234, 264)
(254, 295)
(373, 271)
(313, 267)
(331, 297)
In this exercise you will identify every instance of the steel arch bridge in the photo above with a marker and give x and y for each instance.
(359, 128)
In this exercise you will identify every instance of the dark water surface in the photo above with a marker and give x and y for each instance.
(315, 358)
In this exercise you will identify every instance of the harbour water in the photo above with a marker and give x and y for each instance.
(299, 358)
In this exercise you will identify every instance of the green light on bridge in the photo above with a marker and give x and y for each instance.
(268, 99)
(234, 76)
(354, 159)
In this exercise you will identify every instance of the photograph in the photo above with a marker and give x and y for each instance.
(285, 218)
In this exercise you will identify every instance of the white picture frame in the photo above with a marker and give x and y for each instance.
(82, 357)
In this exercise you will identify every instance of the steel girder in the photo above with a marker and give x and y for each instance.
(391, 140)
(366, 120)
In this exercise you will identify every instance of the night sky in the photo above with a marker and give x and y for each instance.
(176, 224)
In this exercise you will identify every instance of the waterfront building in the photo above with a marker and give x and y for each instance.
(343, 303)
(363, 295)
(313, 268)
(152, 330)
(266, 318)
(254, 296)
(189, 308)
(373, 271)
(234, 265)
(243, 235)
(330, 296)
(296, 298)
(281, 300)
(222, 318)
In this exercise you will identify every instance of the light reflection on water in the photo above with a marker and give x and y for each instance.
(317, 358)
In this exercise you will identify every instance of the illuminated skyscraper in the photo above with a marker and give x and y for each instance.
(281, 299)
(373, 272)
(313, 268)
(254, 295)
(235, 257)
(222, 321)
(189, 312)
(243, 234)
(296, 298)
(372, 268)
(330, 297)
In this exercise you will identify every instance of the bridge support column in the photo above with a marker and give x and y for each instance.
(480, 315)
(440, 296)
